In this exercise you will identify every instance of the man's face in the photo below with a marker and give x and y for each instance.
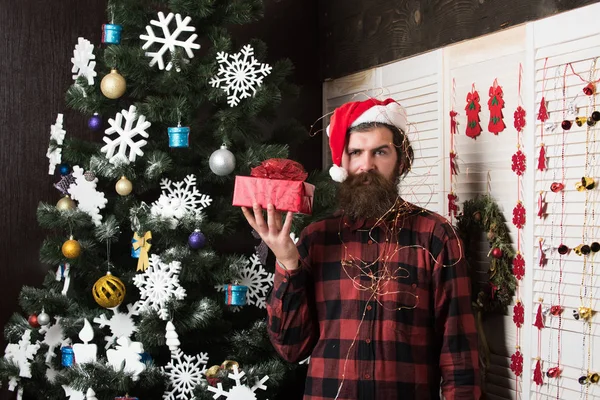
(371, 150)
(370, 191)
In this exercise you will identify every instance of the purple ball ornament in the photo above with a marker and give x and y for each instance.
(95, 122)
(196, 240)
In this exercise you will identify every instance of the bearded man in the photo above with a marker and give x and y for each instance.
(378, 295)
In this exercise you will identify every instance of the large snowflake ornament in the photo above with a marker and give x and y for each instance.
(184, 372)
(127, 356)
(170, 39)
(83, 64)
(239, 391)
(258, 281)
(239, 74)
(54, 337)
(89, 200)
(73, 394)
(179, 198)
(158, 284)
(123, 148)
(22, 354)
(121, 324)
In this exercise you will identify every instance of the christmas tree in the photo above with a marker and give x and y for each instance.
(144, 296)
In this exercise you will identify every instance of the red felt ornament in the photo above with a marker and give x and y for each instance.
(538, 377)
(541, 206)
(519, 118)
(556, 310)
(453, 122)
(495, 105)
(539, 318)
(516, 363)
(553, 372)
(472, 109)
(518, 266)
(556, 187)
(519, 215)
(518, 314)
(543, 112)
(518, 162)
(542, 159)
(452, 207)
(453, 166)
(543, 260)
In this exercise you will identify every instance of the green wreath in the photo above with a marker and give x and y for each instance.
(482, 215)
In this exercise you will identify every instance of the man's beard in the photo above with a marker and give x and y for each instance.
(359, 200)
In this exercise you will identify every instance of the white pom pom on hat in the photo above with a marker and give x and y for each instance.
(355, 113)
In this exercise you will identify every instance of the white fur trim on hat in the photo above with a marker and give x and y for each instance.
(392, 114)
(338, 174)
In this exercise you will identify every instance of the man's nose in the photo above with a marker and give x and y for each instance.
(368, 163)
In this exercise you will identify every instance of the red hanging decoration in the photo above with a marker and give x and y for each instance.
(542, 159)
(518, 162)
(519, 119)
(518, 314)
(538, 377)
(543, 260)
(495, 105)
(452, 207)
(519, 215)
(543, 112)
(553, 372)
(518, 266)
(453, 166)
(473, 108)
(539, 318)
(516, 363)
(453, 122)
(541, 206)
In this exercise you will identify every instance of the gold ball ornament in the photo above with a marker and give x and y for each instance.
(65, 204)
(109, 291)
(113, 85)
(71, 248)
(123, 186)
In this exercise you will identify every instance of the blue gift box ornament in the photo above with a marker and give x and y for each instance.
(135, 253)
(67, 356)
(179, 136)
(235, 295)
(111, 33)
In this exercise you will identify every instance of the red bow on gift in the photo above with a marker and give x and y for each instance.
(280, 168)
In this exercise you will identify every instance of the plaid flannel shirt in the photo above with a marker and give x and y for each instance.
(361, 346)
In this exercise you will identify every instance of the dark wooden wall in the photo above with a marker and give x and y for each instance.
(38, 41)
(361, 34)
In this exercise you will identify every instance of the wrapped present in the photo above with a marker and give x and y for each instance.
(235, 295)
(276, 181)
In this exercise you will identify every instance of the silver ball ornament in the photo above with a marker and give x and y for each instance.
(123, 186)
(222, 161)
(43, 318)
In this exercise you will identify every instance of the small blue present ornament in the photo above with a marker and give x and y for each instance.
(135, 253)
(111, 33)
(235, 295)
(179, 136)
(67, 356)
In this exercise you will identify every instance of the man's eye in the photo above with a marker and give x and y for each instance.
(381, 152)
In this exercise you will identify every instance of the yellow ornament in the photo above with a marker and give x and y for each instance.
(212, 371)
(123, 186)
(65, 204)
(109, 291)
(113, 85)
(229, 364)
(71, 248)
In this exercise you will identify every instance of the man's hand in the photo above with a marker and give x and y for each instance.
(275, 233)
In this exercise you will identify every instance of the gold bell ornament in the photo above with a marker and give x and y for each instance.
(71, 248)
(113, 85)
(109, 291)
(586, 183)
(65, 204)
(123, 186)
(585, 312)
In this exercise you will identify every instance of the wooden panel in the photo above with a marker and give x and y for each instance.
(361, 34)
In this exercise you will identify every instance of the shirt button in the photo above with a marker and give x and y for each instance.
(370, 241)
(369, 308)
(414, 285)
(367, 376)
(368, 341)
(284, 280)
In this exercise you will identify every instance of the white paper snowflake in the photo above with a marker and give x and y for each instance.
(73, 394)
(54, 158)
(239, 391)
(57, 131)
(22, 354)
(258, 281)
(82, 61)
(184, 372)
(89, 200)
(170, 40)
(239, 74)
(54, 337)
(121, 324)
(179, 198)
(51, 374)
(158, 284)
(117, 149)
(127, 356)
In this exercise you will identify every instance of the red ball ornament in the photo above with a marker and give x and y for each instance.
(566, 124)
(497, 252)
(33, 321)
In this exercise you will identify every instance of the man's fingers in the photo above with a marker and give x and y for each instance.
(272, 219)
(287, 226)
(249, 217)
(258, 217)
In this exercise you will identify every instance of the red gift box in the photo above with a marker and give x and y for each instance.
(278, 182)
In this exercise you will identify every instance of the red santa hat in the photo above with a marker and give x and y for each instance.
(355, 113)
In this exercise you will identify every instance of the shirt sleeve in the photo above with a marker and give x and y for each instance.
(291, 322)
(454, 322)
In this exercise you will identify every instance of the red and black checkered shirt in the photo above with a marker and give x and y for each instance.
(407, 339)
